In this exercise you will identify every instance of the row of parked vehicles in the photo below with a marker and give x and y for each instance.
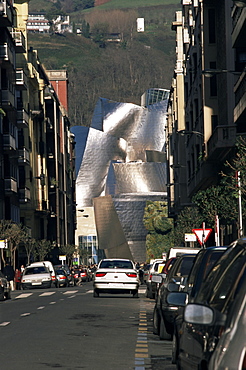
(200, 306)
(44, 274)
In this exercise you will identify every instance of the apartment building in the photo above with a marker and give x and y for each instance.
(207, 101)
(37, 177)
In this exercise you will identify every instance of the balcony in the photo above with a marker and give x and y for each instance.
(20, 41)
(24, 195)
(7, 53)
(6, 13)
(10, 185)
(24, 156)
(22, 118)
(9, 142)
(8, 99)
(222, 139)
(21, 79)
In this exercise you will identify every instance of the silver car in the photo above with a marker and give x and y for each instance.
(36, 277)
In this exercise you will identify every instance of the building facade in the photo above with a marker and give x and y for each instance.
(34, 131)
(206, 110)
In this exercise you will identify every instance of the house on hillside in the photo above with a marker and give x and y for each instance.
(37, 23)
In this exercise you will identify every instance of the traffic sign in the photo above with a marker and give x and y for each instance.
(202, 234)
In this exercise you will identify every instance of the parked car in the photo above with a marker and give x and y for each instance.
(146, 269)
(84, 274)
(153, 269)
(61, 278)
(48, 265)
(205, 260)
(116, 276)
(164, 314)
(5, 289)
(68, 271)
(36, 277)
(157, 279)
(206, 318)
(230, 351)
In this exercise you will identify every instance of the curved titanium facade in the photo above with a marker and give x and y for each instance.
(122, 167)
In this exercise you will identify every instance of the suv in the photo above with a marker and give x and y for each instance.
(5, 289)
(207, 316)
(164, 314)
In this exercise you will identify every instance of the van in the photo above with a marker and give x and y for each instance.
(47, 264)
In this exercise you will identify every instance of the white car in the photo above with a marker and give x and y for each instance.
(36, 277)
(116, 276)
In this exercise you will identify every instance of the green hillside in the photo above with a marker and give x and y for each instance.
(118, 71)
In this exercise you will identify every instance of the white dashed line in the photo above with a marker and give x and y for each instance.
(24, 295)
(25, 314)
(41, 308)
(46, 294)
(52, 302)
(5, 323)
(71, 292)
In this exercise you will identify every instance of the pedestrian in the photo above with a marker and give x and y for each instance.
(8, 271)
(17, 279)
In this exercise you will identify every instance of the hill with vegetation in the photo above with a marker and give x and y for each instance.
(97, 67)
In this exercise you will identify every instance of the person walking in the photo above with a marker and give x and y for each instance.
(8, 271)
(17, 279)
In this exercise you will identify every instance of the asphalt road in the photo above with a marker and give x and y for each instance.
(68, 328)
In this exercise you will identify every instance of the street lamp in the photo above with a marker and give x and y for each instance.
(214, 72)
(185, 132)
(240, 3)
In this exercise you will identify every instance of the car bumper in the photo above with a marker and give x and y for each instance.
(128, 287)
(44, 284)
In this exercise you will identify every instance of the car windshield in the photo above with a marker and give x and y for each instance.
(116, 264)
(60, 272)
(36, 270)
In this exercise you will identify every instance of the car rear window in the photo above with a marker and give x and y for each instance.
(36, 270)
(185, 266)
(116, 264)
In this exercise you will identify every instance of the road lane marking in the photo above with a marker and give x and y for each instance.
(71, 292)
(46, 294)
(5, 323)
(41, 308)
(25, 314)
(52, 302)
(24, 295)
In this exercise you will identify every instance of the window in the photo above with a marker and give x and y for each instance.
(211, 26)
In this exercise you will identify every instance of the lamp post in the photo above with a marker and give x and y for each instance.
(187, 132)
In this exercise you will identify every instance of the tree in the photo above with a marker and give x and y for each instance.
(29, 245)
(42, 248)
(188, 219)
(160, 229)
(14, 234)
(68, 250)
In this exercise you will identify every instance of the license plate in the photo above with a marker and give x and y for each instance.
(36, 283)
(115, 285)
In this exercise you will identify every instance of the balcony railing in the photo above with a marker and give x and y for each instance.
(9, 142)
(21, 79)
(10, 185)
(24, 195)
(6, 13)
(20, 41)
(7, 53)
(22, 118)
(24, 156)
(8, 99)
(223, 137)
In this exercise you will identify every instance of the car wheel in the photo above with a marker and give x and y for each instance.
(1, 295)
(8, 295)
(135, 294)
(164, 335)
(95, 293)
(149, 294)
(156, 322)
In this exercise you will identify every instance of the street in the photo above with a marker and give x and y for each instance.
(69, 329)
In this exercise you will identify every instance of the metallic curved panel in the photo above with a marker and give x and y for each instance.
(140, 177)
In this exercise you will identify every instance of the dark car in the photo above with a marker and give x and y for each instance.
(5, 289)
(164, 314)
(61, 278)
(68, 271)
(205, 260)
(205, 319)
